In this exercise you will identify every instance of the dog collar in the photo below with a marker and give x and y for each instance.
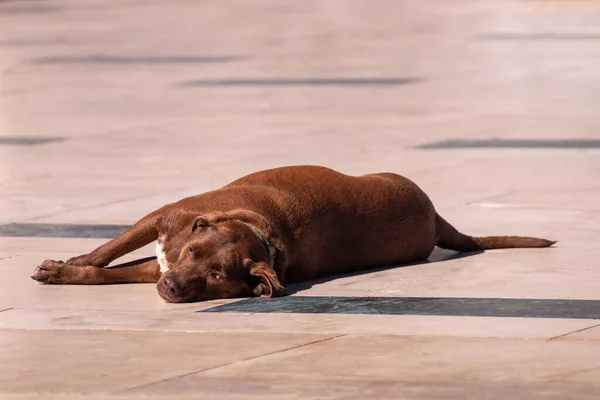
(272, 250)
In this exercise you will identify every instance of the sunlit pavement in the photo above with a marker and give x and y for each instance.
(109, 110)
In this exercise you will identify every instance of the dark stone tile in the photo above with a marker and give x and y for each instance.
(135, 59)
(27, 141)
(512, 143)
(539, 36)
(62, 230)
(277, 82)
(27, 7)
(442, 306)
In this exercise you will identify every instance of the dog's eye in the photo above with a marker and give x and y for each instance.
(191, 249)
(216, 276)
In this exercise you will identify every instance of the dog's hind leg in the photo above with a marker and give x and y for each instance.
(140, 271)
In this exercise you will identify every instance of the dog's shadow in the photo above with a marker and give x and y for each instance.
(438, 255)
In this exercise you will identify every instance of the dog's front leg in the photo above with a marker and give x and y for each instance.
(57, 272)
(140, 234)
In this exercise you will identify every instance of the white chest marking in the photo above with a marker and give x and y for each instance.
(161, 257)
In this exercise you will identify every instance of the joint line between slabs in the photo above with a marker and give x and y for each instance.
(124, 391)
(578, 330)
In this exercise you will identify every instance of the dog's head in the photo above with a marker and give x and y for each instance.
(224, 257)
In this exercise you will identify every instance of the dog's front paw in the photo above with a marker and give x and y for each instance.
(79, 260)
(57, 272)
(86, 260)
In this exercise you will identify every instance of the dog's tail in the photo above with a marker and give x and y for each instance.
(450, 238)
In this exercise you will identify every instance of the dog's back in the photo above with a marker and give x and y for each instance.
(341, 223)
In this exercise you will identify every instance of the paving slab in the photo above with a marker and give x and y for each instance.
(106, 362)
(181, 319)
(389, 366)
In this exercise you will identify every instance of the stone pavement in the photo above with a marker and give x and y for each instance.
(111, 109)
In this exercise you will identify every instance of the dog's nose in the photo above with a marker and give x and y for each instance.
(168, 286)
(168, 289)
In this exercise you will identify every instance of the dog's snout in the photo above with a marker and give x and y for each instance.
(171, 289)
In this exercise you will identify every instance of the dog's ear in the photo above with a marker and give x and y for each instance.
(209, 219)
(269, 285)
(199, 222)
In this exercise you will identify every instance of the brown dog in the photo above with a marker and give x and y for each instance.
(277, 226)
